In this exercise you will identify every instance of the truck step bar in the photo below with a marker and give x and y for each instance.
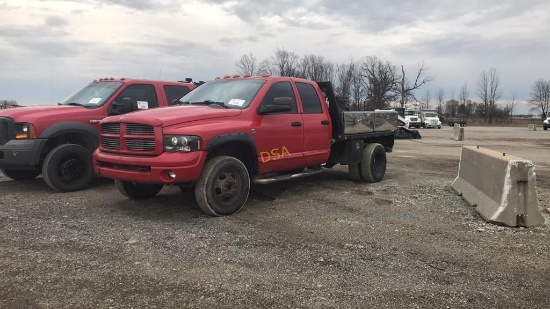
(272, 178)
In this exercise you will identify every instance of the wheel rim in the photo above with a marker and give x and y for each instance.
(71, 169)
(227, 187)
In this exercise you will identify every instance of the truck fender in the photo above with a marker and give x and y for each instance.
(73, 127)
(231, 144)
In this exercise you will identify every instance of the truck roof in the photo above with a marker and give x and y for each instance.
(265, 77)
(139, 81)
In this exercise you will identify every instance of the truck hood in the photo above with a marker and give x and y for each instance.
(173, 115)
(29, 114)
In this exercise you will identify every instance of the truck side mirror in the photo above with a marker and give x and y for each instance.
(123, 107)
(127, 105)
(279, 105)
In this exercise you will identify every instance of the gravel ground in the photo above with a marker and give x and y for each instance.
(322, 242)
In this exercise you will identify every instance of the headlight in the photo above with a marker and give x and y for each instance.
(23, 130)
(181, 143)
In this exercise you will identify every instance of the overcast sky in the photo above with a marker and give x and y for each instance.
(48, 49)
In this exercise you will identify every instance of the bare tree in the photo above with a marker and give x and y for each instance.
(248, 64)
(512, 104)
(489, 92)
(285, 63)
(451, 108)
(404, 87)
(427, 99)
(380, 78)
(265, 67)
(315, 68)
(345, 74)
(463, 95)
(540, 97)
(440, 100)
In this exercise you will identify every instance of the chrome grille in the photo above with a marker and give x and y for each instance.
(139, 129)
(111, 128)
(140, 144)
(110, 142)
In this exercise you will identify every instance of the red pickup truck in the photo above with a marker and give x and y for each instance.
(58, 141)
(233, 130)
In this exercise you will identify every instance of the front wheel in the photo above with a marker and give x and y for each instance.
(68, 167)
(21, 175)
(545, 128)
(137, 191)
(223, 186)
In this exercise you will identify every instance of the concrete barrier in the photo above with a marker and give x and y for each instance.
(531, 127)
(500, 186)
(458, 134)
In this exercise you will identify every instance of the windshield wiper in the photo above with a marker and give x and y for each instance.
(73, 104)
(210, 102)
(181, 103)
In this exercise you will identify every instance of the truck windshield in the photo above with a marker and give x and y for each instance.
(93, 95)
(431, 115)
(232, 93)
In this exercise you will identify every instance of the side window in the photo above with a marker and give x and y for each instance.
(310, 99)
(174, 92)
(281, 89)
(142, 96)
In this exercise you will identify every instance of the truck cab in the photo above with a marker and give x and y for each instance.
(430, 119)
(58, 141)
(412, 117)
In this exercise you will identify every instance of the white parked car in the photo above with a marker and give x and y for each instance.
(546, 123)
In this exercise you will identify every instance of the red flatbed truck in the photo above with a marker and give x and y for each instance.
(231, 131)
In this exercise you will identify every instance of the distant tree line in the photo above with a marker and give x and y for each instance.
(372, 83)
(369, 83)
(8, 104)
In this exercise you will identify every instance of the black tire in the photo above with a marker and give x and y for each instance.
(21, 175)
(68, 167)
(373, 166)
(545, 128)
(223, 186)
(138, 191)
(355, 171)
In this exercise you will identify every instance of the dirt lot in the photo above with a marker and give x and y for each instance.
(322, 242)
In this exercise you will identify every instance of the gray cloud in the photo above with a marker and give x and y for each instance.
(55, 21)
(142, 5)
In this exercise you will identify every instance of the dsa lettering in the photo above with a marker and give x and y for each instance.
(274, 154)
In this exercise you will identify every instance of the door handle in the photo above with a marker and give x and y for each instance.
(325, 122)
(296, 124)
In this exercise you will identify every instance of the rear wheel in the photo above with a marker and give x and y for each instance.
(137, 191)
(68, 167)
(223, 186)
(373, 166)
(21, 175)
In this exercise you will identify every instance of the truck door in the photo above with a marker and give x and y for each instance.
(279, 136)
(317, 125)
